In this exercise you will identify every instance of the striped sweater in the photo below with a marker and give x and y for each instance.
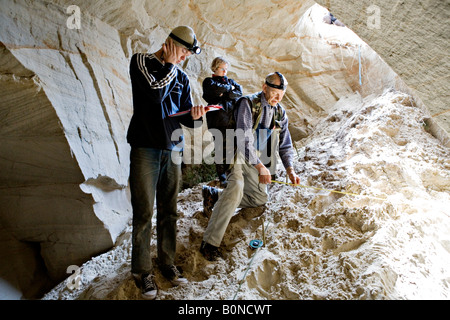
(159, 90)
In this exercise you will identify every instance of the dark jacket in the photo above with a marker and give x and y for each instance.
(159, 90)
(219, 91)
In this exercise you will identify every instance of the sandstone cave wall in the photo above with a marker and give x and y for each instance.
(412, 37)
(65, 104)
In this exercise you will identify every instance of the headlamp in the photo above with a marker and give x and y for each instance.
(281, 86)
(192, 48)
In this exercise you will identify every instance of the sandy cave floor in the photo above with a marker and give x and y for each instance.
(319, 244)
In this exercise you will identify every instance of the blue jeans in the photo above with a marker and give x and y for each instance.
(153, 174)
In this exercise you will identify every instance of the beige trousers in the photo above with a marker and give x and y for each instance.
(243, 191)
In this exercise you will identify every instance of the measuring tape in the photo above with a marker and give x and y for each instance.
(329, 190)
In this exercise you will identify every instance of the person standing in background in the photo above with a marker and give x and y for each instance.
(220, 90)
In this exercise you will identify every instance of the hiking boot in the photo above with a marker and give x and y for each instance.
(173, 274)
(210, 197)
(209, 251)
(148, 286)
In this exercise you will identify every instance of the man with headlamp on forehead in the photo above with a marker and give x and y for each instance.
(261, 128)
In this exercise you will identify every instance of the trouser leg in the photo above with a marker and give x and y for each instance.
(219, 136)
(243, 191)
(255, 193)
(167, 216)
(144, 172)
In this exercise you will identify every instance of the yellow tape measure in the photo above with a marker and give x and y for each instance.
(329, 190)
